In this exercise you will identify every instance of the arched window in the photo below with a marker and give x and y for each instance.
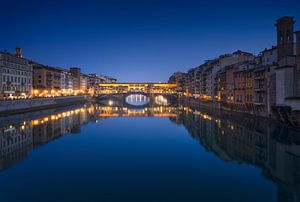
(288, 35)
(280, 37)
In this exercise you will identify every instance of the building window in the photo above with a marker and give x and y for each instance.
(280, 37)
(288, 35)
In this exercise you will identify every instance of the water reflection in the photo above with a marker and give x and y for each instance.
(161, 100)
(105, 111)
(137, 99)
(267, 145)
(18, 139)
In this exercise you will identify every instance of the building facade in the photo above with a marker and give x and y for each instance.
(260, 84)
(47, 80)
(66, 82)
(75, 71)
(83, 83)
(15, 75)
(243, 83)
(180, 79)
(297, 72)
(286, 68)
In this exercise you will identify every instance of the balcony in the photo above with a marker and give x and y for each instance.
(259, 103)
(259, 77)
(260, 88)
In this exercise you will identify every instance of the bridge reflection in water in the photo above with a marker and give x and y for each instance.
(141, 100)
(137, 99)
(269, 146)
(134, 112)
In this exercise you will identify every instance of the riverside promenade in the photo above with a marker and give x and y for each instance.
(26, 105)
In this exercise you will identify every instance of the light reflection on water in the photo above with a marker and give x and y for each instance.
(132, 158)
(137, 99)
(142, 100)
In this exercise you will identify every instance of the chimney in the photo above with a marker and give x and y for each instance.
(19, 52)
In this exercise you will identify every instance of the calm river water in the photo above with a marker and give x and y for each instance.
(167, 153)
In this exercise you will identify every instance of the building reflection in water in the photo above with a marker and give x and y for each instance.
(273, 148)
(18, 139)
(15, 142)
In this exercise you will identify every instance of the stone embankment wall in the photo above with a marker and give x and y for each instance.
(284, 116)
(24, 105)
(17, 118)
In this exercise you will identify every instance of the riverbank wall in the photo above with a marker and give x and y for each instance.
(8, 107)
(282, 115)
(17, 118)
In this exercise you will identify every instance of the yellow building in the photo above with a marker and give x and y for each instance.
(46, 80)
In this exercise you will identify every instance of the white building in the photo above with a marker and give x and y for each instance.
(223, 61)
(15, 75)
(269, 56)
(94, 80)
(107, 79)
(66, 82)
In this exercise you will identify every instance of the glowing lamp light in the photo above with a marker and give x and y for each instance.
(35, 92)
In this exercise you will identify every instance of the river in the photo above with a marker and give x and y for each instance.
(93, 152)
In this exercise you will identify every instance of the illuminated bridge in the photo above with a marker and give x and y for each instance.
(148, 88)
(137, 94)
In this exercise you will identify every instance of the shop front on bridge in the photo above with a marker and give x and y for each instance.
(148, 88)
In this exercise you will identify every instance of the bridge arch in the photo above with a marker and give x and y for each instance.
(137, 99)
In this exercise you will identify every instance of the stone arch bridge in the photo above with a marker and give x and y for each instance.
(115, 94)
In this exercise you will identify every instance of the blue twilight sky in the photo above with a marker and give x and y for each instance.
(138, 40)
